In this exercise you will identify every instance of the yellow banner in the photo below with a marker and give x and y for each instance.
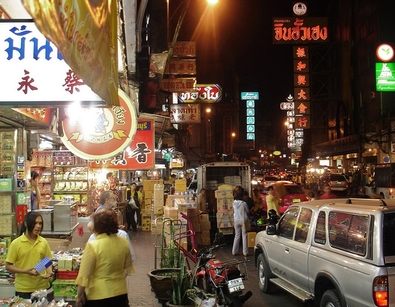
(85, 33)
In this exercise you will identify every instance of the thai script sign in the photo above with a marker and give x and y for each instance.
(249, 95)
(185, 113)
(206, 93)
(291, 30)
(184, 49)
(178, 85)
(100, 133)
(36, 71)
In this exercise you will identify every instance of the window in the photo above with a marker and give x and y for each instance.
(320, 229)
(348, 232)
(388, 235)
(287, 223)
(303, 225)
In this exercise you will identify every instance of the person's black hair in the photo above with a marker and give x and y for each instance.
(30, 221)
(239, 194)
(34, 175)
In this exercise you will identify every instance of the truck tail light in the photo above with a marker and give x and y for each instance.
(390, 191)
(380, 291)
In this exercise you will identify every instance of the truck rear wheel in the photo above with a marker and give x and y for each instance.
(330, 299)
(264, 274)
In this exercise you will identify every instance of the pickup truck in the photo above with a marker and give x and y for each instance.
(334, 253)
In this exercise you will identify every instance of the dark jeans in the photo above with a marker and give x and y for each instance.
(116, 301)
(23, 295)
(131, 214)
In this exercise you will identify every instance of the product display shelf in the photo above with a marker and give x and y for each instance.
(45, 182)
(71, 180)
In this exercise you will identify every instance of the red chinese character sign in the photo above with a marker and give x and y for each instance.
(140, 154)
(100, 133)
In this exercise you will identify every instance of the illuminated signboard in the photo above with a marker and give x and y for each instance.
(385, 77)
(36, 72)
(307, 30)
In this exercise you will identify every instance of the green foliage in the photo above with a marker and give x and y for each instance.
(182, 282)
(171, 255)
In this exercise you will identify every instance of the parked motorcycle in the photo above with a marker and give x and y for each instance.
(222, 278)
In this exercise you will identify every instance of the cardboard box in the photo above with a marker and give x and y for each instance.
(205, 226)
(204, 217)
(251, 239)
(224, 193)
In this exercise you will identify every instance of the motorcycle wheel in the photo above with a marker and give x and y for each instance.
(236, 302)
(264, 274)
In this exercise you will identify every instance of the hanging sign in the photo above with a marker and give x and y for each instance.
(185, 113)
(100, 133)
(36, 71)
(205, 93)
(139, 154)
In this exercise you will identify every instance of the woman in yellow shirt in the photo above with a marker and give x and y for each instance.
(105, 263)
(272, 200)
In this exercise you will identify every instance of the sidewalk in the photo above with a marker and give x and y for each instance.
(139, 289)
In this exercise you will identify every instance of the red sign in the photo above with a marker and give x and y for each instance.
(206, 93)
(291, 30)
(302, 107)
(42, 115)
(21, 211)
(178, 85)
(181, 67)
(140, 154)
(100, 133)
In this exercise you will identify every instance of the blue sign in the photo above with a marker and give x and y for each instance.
(250, 103)
(250, 136)
(249, 95)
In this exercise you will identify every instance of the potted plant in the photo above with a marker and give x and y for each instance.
(171, 278)
(182, 281)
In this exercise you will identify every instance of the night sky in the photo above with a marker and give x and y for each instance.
(242, 30)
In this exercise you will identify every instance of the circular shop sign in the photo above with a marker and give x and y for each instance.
(385, 52)
(100, 133)
(299, 8)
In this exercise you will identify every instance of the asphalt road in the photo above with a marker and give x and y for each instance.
(279, 298)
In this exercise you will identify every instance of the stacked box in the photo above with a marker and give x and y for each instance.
(171, 213)
(225, 221)
(145, 223)
(232, 180)
(211, 185)
(180, 185)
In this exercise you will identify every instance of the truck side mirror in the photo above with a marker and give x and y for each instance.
(271, 230)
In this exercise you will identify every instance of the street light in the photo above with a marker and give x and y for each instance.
(181, 18)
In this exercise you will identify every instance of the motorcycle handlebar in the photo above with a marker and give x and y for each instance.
(208, 250)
